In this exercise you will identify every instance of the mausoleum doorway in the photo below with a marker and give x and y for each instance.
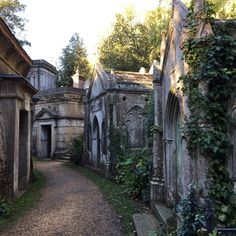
(46, 143)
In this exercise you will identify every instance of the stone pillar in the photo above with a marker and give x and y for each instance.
(75, 78)
(16, 151)
(157, 179)
(28, 148)
(4, 180)
(163, 47)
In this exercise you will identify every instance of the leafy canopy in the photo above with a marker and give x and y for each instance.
(74, 56)
(126, 48)
(133, 44)
(156, 21)
(9, 12)
(224, 9)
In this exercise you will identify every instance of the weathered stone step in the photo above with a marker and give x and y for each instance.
(65, 157)
(145, 224)
(166, 216)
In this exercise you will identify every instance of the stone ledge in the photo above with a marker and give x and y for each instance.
(166, 216)
(145, 224)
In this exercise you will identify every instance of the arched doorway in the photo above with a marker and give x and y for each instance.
(96, 143)
(173, 152)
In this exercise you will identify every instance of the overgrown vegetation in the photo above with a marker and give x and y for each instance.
(149, 121)
(77, 151)
(191, 214)
(130, 168)
(114, 194)
(116, 146)
(134, 173)
(209, 85)
(5, 209)
(11, 212)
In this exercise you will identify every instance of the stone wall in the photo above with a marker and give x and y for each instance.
(116, 99)
(42, 75)
(4, 178)
(58, 120)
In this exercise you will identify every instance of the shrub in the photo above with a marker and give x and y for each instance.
(5, 209)
(134, 173)
(191, 214)
(77, 150)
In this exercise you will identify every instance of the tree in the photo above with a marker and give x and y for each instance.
(133, 44)
(74, 55)
(9, 10)
(156, 21)
(126, 48)
(224, 9)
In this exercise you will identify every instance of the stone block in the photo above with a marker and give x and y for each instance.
(145, 224)
(166, 216)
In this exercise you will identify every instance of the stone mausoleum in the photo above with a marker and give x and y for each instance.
(15, 115)
(173, 166)
(58, 112)
(42, 75)
(118, 99)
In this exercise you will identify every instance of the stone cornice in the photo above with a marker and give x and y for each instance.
(15, 43)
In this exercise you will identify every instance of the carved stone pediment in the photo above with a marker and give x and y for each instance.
(46, 113)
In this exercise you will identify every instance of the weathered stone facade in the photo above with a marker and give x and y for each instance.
(42, 75)
(114, 99)
(58, 114)
(58, 120)
(15, 115)
(173, 168)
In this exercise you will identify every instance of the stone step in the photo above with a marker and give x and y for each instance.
(166, 217)
(145, 224)
(65, 157)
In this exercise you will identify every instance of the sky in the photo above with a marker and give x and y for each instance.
(51, 23)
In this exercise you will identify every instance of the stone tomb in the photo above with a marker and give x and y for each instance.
(58, 120)
(116, 99)
(15, 115)
(173, 167)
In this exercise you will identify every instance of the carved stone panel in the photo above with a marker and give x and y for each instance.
(135, 127)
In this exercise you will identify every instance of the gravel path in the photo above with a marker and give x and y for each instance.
(71, 205)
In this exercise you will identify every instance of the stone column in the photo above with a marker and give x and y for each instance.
(16, 151)
(75, 78)
(157, 179)
(29, 148)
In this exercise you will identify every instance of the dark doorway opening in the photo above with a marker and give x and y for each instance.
(96, 143)
(23, 150)
(46, 134)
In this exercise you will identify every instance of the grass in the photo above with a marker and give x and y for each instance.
(114, 194)
(27, 201)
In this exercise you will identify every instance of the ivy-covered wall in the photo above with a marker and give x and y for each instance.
(197, 80)
(209, 84)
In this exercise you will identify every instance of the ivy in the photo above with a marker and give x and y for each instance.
(209, 85)
(5, 209)
(134, 174)
(117, 145)
(149, 119)
(191, 214)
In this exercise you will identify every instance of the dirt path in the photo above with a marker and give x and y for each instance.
(71, 205)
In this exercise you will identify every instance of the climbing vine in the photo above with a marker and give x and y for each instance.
(149, 119)
(209, 85)
(132, 168)
(117, 146)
